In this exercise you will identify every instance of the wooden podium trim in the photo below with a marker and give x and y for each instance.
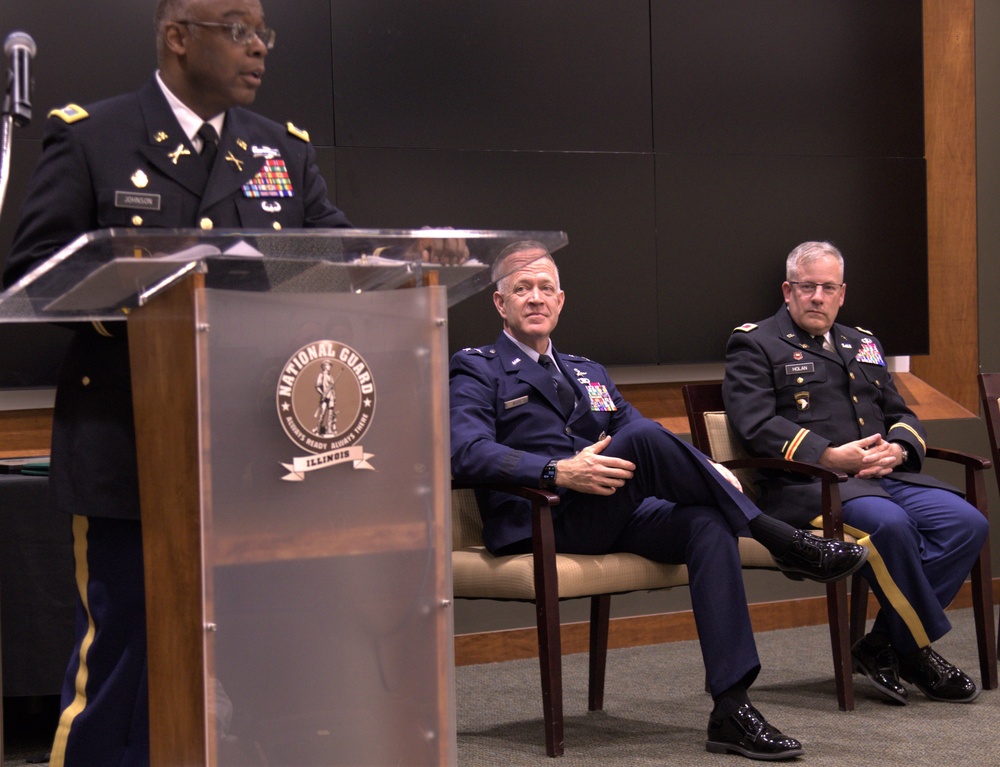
(164, 345)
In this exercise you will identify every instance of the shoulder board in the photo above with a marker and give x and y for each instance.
(579, 357)
(297, 132)
(482, 352)
(866, 332)
(746, 328)
(70, 113)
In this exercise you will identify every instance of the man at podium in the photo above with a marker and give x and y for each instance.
(182, 151)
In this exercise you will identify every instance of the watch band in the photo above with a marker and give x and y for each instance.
(548, 478)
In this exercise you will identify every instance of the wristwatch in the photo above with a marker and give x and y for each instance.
(906, 454)
(549, 475)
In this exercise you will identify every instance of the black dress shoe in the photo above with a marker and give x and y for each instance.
(874, 657)
(820, 559)
(937, 678)
(747, 732)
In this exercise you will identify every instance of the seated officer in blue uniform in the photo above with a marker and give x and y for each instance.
(524, 413)
(800, 386)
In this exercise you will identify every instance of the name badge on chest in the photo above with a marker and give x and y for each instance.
(137, 201)
(798, 368)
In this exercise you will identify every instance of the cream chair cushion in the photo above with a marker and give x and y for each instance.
(478, 574)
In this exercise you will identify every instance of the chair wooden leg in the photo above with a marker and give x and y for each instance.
(859, 607)
(982, 608)
(550, 662)
(836, 605)
(600, 612)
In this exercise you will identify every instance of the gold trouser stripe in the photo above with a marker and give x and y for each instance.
(58, 756)
(896, 598)
(99, 327)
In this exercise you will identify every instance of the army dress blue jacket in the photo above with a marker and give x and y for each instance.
(787, 397)
(125, 162)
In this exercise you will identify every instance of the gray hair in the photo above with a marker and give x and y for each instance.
(806, 253)
(507, 263)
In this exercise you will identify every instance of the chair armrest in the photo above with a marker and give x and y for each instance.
(956, 456)
(533, 494)
(543, 544)
(975, 466)
(830, 479)
(796, 467)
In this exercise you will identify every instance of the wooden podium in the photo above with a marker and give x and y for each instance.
(293, 444)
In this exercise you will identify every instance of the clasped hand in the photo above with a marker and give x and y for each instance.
(868, 458)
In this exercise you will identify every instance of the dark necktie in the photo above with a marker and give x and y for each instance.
(209, 144)
(566, 399)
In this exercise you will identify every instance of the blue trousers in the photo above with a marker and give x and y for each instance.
(105, 700)
(922, 543)
(676, 509)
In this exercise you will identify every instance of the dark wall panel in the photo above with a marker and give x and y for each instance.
(526, 115)
(298, 83)
(603, 201)
(728, 223)
(841, 77)
(86, 51)
(493, 74)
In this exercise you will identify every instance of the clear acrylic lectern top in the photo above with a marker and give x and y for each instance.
(102, 275)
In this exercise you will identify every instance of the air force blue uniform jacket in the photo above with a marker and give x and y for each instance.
(507, 399)
(507, 423)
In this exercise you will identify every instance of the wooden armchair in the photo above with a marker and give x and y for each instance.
(545, 578)
(711, 433)
(989, 393)
(705, 407)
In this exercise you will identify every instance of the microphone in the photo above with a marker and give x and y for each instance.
(21, 49)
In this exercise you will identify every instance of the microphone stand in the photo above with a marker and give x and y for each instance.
(17, 45)
(6, 126)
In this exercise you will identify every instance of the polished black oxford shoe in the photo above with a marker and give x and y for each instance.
(747, 732)
(874, 657)
(820, 559)
(937, 678)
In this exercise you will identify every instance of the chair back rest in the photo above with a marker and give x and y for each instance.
(466, 522)
(711, 432)
(989, 393)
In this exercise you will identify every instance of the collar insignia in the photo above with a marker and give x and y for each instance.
(179, 152)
